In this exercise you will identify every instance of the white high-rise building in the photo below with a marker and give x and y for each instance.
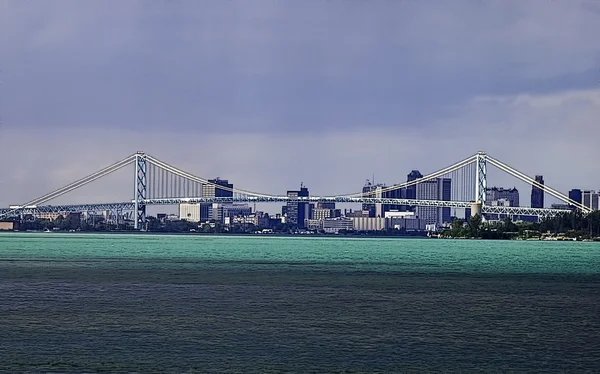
(591, 199)
(189, 212)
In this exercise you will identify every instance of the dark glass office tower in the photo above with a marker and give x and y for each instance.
(297, 211)
(537, 194)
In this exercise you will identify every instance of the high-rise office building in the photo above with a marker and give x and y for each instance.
(591, 199)
(373, 191)
(212, 189)
(411, 191)
(444, 194)
(298, 211)
(396, 193)
(427, 190)
(497, 193)
(537, 194)
(435, 189)
(576, 194)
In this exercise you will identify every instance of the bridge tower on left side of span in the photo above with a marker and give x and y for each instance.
(140, 191)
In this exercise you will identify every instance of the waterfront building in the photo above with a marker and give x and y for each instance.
(537, 194)
(406, 223)
(297, 211)
(427, 190)
(444, 194)
(313, 224)
(334, 225)
(189, 212)
(7, 226)
(368, 223)
(435, 189)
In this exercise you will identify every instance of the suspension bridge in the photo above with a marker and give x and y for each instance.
(156, 182)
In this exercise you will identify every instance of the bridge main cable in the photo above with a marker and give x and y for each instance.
(73, 186)
(192, 177)
(525, 178)
(195, 178)
(428, 177)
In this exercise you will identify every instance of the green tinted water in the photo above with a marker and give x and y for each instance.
(163, 303)
(429, 255)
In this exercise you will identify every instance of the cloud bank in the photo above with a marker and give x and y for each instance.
(323, 92)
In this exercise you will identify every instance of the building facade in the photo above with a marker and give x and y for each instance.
(537, 194)
(497, 193)
(212, 190)
(427, 190)
(334, 225)
(297, 211)
(189, 212)
(373, 191)
(435, 189)
(577, 195)
(411, 191)
(591, 199)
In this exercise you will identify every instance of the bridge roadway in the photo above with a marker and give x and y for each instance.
(129, 206)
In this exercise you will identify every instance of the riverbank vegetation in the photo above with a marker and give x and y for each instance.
(571, 225)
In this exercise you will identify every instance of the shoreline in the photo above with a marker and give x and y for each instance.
(281, 235)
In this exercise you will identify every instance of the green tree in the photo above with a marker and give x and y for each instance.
(475, 226)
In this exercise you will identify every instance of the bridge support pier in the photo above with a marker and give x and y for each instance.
(139, 219)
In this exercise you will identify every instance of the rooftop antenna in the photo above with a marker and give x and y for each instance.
(373, 180)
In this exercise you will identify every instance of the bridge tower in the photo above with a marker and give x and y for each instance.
(480, 177)
(139, 196)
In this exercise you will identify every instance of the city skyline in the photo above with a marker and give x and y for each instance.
(220, 89)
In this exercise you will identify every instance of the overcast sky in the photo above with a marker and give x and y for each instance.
(273, 93)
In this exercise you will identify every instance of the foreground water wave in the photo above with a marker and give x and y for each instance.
(83, 302)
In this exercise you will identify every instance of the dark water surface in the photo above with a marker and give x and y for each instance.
(150, 303)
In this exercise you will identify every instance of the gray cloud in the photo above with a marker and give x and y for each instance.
(325, 92)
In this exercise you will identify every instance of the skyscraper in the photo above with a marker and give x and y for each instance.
(591, 199)
(427, 190)
(444, 194)
(576, 194)
(297, 211)
(537, 194)
(370, 190)
(498, 193)
(211, 190)
(411, 191)
(396, 193)
(435, 189)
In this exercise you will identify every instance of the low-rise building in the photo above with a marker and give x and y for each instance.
(189, 212)
(313, 224)
(7, 226)
(334, 225)
(369, 223)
